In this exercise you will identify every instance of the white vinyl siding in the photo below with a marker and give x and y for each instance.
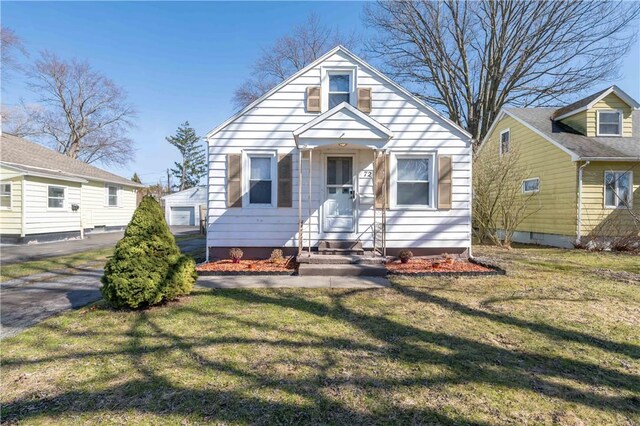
(39, 217)
(270, 125)
(94, 199)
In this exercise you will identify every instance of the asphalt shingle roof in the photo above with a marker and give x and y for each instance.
(583, 146)
(32, 157)
(578, 104)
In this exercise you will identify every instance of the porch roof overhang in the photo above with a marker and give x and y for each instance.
(342, 124)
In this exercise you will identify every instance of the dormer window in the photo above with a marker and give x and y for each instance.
(339, 89)
(609, 123)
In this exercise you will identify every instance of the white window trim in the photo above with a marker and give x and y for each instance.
(118, 195)
(64, 198)
(507, 130)
(535, 190)
(604, 190)
(10, 183)
(246, 176)
(598, 122)
(393, 180)
(352, 71)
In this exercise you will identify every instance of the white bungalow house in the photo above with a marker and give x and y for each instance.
(339, 157)
(45, 195)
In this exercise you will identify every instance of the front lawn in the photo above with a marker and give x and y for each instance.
(556, 341)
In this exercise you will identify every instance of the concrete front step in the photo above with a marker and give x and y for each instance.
(341, 270)
(340, 259)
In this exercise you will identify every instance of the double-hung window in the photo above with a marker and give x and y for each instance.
(5, 195)
(505, 141)
(56, 197)
(617, 191)
(339, 89)
(261, 179)
(609, 123)
(413, 181)
(112, 196)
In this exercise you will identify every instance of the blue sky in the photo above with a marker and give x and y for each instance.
(179, 61)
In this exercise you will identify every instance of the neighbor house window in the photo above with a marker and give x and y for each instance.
(413, 186)
(617, 191)
(5, 195)
(531, 185)
(260, 179)
(609, 123)
(339, 89)
(505, 141)
(56, 197)
(112, 195)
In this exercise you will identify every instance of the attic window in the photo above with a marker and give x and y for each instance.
(339, 89)
(609, 123)
(505, 141)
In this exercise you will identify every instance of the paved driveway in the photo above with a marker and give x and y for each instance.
(27, 301)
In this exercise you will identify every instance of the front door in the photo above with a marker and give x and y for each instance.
(339, 196)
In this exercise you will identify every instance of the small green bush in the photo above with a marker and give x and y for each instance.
(146, 267)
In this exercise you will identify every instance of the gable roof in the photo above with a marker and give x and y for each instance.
(34, 159)
(355, 59)
(579, 146)
(347, 111)
(591, 100)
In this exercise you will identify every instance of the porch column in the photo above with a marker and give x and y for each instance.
(309, 197)
(300, 222)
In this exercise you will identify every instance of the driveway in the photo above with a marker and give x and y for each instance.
(26, 252)
(27, 301)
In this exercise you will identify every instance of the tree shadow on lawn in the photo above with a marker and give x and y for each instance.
(466, 361)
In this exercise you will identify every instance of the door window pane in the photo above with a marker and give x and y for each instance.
(339, 171)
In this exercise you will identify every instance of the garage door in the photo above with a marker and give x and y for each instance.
(185, 216)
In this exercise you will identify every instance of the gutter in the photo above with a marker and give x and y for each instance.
(580, 173)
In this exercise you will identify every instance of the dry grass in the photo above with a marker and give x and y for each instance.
(551, 342)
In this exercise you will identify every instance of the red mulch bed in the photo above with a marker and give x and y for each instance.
(247, 266)
(427, 265)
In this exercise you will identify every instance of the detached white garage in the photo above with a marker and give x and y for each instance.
(183, 208)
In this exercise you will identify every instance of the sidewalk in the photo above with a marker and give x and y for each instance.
(280, 281)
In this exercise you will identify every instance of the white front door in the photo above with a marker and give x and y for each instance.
(339, 201)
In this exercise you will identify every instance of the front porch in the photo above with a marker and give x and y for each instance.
(342, 182)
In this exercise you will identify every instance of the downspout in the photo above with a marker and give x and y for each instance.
(580, 172)
(206, 216)
(471, 144)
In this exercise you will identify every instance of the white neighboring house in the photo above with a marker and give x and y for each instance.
(45, 195)
(183, 208)
(339, 153)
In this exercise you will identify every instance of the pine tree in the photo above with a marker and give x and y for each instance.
(136, 178)
(146, 267)
(194, 158)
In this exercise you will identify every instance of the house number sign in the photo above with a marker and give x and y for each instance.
(367, 173)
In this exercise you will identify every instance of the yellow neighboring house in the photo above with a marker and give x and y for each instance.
(45, 195)
(584, 163)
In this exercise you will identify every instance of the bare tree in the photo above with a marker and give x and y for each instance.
(499, 205)
(82, 113)
(11, 46)
(469, 58)
(290, 53)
